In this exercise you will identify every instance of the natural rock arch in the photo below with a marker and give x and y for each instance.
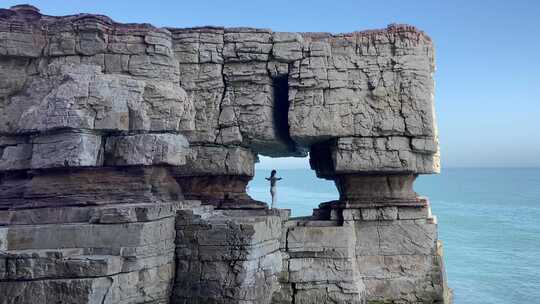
(126, 150)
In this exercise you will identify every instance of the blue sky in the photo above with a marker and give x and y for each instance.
(488, 58)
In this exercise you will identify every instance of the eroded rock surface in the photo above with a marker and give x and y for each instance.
(126, 150)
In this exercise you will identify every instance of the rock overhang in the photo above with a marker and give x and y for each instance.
(363, 95)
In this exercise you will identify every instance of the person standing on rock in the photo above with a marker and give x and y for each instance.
(273, 179)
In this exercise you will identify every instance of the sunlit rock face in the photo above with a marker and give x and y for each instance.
(125, 152)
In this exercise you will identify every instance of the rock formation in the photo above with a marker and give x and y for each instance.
(125, 152)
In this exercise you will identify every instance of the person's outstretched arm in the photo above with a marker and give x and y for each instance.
(279, 178)
(266, 178)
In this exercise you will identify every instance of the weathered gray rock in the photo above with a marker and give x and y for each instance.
(226, 257)
(85, 236)
(81, 97)
(287, 47)
(218, 176)
(106, 129)
(321, 265)
(24, 40)
(119, 262)
(217, 160)
(225, 73)
(105, 214)
(326, 241)
(12, 75)
(70, 149)
(66, 150)
(396, 264)
(334, 87)
(391, 260)
(166, 107)
(380, 214)
(374, 83)
(393, 238)
(16, 153)
(379, 154)
(146, 149)
(394, 276)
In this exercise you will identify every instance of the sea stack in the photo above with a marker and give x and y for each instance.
(126, 149)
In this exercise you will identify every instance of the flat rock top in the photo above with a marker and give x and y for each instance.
(31, 15)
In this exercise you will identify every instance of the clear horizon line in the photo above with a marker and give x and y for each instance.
(443, 168)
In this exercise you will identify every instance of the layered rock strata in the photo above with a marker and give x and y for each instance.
(227, 256)
(126, 150)
(118, 254)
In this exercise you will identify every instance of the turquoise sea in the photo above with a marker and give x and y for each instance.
(489, 222)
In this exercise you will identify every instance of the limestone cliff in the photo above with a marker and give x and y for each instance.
(125, 152)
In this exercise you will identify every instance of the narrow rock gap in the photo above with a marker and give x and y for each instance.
(280, 85)
(294, 291)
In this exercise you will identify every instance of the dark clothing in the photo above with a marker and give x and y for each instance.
(273, 180)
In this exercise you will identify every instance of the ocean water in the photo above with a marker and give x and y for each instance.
(489, 222)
